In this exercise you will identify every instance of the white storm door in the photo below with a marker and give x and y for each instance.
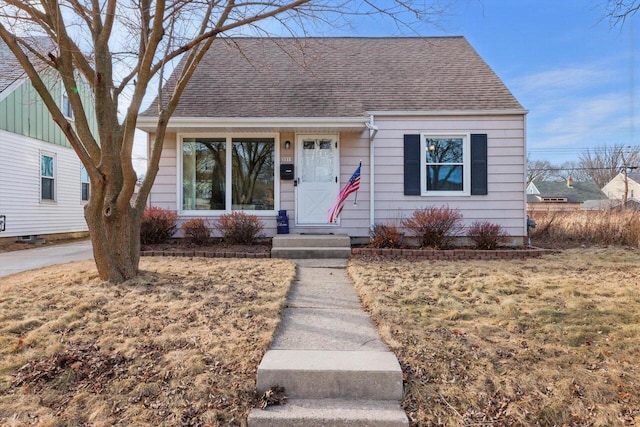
(317, 172)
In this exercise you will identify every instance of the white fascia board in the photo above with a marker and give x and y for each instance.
(449, 113)
(276, 123)
(12, 87)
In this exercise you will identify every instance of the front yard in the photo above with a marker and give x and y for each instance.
(178, 346)
(553, 341)
(544, 341)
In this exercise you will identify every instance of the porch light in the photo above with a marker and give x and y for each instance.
(287, 145)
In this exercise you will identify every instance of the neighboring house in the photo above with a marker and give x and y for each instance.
(431, 123)
(615, 188)
(564, 195)
(43, 186)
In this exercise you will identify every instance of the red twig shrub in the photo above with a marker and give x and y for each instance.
(486, 235)
(197, 231)
(434, 226)
(386, 236)
(239, 227)
(158, 225)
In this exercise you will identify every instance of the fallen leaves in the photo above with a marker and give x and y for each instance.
(91, 368)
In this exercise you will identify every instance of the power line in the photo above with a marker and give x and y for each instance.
(552, 169)
(573, 150)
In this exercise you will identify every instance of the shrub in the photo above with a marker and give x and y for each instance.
(197, 231)
(386, 236)
(239, 227)
(158, 225)
(605, 227)
(433, 226)
(486, 235)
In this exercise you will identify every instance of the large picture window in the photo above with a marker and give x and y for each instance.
(222, 174)
(445, 165)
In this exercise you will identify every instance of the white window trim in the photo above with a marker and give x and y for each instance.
(55, 178)
(63, 108)
(84, 182)
(228, 174)
(466, 164)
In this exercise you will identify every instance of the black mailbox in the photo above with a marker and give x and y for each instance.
(286, 172)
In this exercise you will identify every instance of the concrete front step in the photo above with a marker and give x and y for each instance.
(330, 413)
(310, 252)
(311, 240)
(322, 374)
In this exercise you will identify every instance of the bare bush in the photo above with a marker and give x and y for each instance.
(434, 226)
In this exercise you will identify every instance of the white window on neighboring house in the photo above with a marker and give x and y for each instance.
(84, 182)
(47, 177)
(67, 111)
(228, 173)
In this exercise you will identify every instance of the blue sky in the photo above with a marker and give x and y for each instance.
(579, 78)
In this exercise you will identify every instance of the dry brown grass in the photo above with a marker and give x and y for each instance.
(180, 345)
(572, 228)
(541, 342)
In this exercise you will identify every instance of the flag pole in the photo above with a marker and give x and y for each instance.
(355, 200)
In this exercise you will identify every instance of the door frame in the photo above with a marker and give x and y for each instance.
(298, 168)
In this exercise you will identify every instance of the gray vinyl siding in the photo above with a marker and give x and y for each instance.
(354, 219)
(20, 188)
(505, 203)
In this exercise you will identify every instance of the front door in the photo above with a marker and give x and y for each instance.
(317, 173)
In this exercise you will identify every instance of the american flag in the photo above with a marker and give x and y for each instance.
(350, 187)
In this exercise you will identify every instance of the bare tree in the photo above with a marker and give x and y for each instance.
(120, 48)
(540, 170)
(574, 170)
(602, 164)
(617, 11)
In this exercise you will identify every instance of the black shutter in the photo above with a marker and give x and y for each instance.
(412, 165)
(479, 164)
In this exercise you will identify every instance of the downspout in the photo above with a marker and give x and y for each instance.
(373, 130)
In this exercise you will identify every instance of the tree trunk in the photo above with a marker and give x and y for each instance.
(114, 233)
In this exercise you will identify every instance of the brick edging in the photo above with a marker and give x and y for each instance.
(453, 254)
(206, 254)
(427, 254)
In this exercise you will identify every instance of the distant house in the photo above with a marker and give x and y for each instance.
(615, 188)
(43, 186)
(564, 195)
(270, 124)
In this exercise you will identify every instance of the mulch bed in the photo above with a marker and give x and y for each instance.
(214, 249)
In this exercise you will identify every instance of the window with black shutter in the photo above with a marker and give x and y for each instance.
(445, 164)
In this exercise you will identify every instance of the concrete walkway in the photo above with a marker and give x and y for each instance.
(328, 356)
(44, 256)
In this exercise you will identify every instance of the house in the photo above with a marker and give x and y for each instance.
(615, 189)
(564, 195)
(270, 124)
(43, 186)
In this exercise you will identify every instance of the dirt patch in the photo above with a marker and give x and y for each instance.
(549, 341)
(179, 345)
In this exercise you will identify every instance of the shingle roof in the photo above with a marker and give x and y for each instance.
(635, 176)
(10, 69)
(578, 193)
(339, 77)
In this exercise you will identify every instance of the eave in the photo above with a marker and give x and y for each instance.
(257, 124)
(431, 113)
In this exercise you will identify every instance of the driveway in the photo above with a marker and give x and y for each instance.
(30, 259)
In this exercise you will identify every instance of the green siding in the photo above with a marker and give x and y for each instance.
(24, 113)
